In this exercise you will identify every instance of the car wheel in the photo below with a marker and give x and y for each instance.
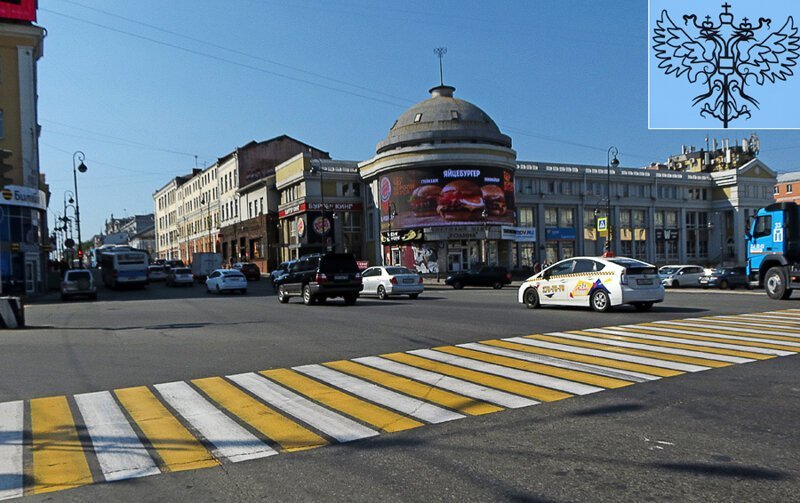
(308, 299)
(724, 285)
(600, 301)
(775, 284)
(458, 285)
(497, 285)
(382, 293)
(531, 298)
(282, 297)
(643, 306)
(350, 299)
(413, 295)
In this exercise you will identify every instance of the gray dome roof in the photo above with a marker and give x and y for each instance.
(443, 117)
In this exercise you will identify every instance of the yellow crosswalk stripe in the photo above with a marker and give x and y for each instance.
(630, 351)
(539, 368)
(59, 461)
(290, 435)
(492, 381)
(675, 345)
(413, 388)
(596, 360)
(178, 449)
(710, 338)
(722, 331)
(367, 412)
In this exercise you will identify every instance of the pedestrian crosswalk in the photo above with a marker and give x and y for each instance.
(55, 443)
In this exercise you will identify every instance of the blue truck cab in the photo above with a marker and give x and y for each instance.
(773, 249)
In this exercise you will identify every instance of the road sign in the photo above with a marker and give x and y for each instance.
(69, 243)
(602, 225)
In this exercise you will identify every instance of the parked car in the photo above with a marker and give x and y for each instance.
(249, 269)
(391, 280)
(78, 282)
(600, 283)
(725, 277)
(178, 276)
(172, 263)
(493, 276)
(226, 280)
(320, 277)
(156, 273)
(278, 275)
(676, 276)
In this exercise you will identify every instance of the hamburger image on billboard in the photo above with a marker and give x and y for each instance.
(443, 196)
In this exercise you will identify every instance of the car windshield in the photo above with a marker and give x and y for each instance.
(398, 270)
(667, 270)
(634, 266)
(183, 270)
(79, 276)
(231, 273)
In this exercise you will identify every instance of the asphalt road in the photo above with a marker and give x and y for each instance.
(721, 435)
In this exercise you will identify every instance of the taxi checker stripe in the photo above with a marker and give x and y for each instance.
(657, 349)
(518, 375)
(328, 422)
(684, 367)
(546, 360)
(690, 342)
(11, 427)
(711, 332)
(230, 440)
(406, 405)
(465, 388)
(713, 337)
(119, 451)
(730, 329)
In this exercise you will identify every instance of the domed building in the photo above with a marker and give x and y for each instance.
(442, 187)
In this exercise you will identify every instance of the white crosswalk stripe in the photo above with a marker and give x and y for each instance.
(692, 342)
(685, 367)
(119, 451)
(230, 440)
(758, 321)
(339, 427)
(11, 435)
(465, 388)
(719, 326)
(657, 349)
(715, 335)
(406, 405)
(788, 319)
(591, 368)
(499, 370)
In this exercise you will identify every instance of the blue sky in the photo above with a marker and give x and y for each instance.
(565, 79)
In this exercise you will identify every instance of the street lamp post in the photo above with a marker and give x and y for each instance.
(205, 219)
(611, 164)
(78, 156)
(392, 214)
(485, 216)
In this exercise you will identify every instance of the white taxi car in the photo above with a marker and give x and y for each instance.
(601, 283)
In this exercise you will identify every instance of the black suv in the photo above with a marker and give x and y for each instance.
(320, 277)
(495, 277)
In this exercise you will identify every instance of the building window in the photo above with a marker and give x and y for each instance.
(454, 115)
(789, 188)
(417, 117)
(776, 190)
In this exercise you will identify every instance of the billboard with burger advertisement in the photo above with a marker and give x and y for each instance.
(440, 196)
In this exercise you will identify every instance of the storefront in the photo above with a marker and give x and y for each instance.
(23, 240)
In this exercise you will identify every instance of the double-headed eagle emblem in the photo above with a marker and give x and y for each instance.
(726, 58)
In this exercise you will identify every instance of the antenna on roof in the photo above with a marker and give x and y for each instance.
(440, 52)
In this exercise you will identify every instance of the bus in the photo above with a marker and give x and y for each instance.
(124, 267)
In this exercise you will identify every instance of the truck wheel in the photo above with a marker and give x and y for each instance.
(600, 301)
(775, 284)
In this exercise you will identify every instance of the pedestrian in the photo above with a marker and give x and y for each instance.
(537, 267)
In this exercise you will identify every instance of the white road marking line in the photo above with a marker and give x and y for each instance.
(230, 440)
(339, 427)
(782, 321)
(713, 334)
(402, 403)
(453, 384)
(11, 427)
(692, 342)
(591, 368)
(712, 325)
(657, 349)
(119, 451)
(758, 324)
(499, 370)
(684, 367)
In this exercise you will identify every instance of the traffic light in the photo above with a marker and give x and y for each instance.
(80, 253)
(5, 169)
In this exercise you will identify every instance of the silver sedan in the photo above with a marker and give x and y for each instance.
(391, 280)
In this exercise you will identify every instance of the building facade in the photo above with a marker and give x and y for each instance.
(787, 188)
(445, 192)
(24, 236)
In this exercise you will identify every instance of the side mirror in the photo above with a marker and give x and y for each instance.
(747, 235)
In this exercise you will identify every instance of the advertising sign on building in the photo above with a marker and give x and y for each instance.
(24, 10)
(15, 195)
(518, 234)
(667, 234)
(402, 236)
(445, 196)
(558, 233)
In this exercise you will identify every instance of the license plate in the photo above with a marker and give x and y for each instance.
(644, 281)
(409, 280)
(341, 277)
